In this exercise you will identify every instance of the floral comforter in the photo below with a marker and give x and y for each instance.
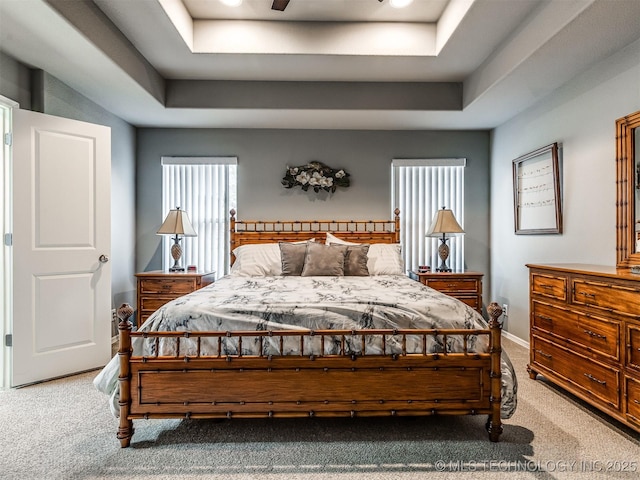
(313, 303)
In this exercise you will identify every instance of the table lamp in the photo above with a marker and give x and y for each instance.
(177, 223)
(444, 222)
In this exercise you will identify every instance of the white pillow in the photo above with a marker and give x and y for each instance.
(385, 259)
(333, 239)
(259, 259)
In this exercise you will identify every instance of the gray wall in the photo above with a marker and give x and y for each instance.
(37, 90)
(15, 81)
(264, 154)
(581, 116)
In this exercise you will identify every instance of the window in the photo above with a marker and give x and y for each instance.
(419, 188)
(204, 187)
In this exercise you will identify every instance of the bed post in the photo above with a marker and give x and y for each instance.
(125, 429)
(232, 234)
(494, 423)
(396, 220)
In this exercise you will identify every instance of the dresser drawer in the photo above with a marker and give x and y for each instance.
(590, 378)
(151, 304)
(473, 302)
(143, 316)
(549, 286)
(592, 333)
(458, 285)
(633, 346)
(178, 286)
(606, 296)
(632, 400)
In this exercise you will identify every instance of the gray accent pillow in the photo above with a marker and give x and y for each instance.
(355, 261)
(324, 260)
(292, 257)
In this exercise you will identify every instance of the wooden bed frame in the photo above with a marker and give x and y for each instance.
(242, 386)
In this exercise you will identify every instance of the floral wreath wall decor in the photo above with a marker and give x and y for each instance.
(315, 175)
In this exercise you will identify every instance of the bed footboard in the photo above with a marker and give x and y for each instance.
(219, 385)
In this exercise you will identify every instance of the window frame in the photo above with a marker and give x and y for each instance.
(418, 207)
(210, 250)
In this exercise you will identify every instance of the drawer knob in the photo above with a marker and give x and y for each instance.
(594, 334)
(594, 379)
(544, 317)
(545, 355)
(544, 285)
(635, 400)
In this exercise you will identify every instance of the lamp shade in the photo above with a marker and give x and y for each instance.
(177, 223)
(444, 222)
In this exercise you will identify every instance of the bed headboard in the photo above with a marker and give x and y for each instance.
(359, 231)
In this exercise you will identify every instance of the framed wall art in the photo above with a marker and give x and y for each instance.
(536, 192)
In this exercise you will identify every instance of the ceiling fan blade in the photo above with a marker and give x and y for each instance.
(279, 5)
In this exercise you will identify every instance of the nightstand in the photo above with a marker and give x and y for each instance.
(159, 287)
(466, 286)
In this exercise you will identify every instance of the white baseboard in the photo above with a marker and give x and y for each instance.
(514, 339)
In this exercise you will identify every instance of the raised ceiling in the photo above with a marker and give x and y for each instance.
(344, 64)
(318, 11)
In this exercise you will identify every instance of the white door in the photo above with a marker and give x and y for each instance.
(61, 228)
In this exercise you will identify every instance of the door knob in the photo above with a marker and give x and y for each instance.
(103, 259)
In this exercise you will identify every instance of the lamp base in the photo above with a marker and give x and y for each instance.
(176, 253)
(443, 253)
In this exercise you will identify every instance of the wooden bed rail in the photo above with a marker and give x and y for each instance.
(353, 337)
(254, 386)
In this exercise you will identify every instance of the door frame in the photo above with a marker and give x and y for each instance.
(6, 260)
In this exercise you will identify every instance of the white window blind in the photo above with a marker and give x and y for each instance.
(204, 187)
(419, 188)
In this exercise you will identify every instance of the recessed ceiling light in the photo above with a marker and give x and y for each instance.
(399, 3)
(231, 3)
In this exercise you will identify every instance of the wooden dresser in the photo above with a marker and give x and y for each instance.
(158, 287)
(465, 286)
(585, 334)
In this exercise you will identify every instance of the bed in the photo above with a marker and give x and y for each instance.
(271, 340)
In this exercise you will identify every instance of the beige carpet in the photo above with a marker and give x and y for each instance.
(63, 430)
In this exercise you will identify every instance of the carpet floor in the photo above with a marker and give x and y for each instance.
(63, 429)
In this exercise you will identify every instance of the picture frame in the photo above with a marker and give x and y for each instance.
(536, 192)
